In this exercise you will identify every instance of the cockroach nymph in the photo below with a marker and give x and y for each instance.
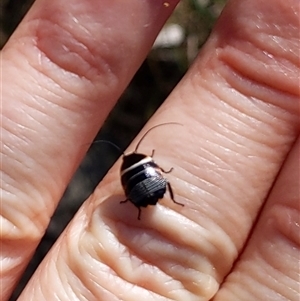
(142, 179)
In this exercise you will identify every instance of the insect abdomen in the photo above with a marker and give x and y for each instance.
(143, 183)
(148, 191)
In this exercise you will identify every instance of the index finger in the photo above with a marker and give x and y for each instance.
(62, 72)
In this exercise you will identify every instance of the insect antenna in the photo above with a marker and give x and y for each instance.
(110, 143)
(161, 124)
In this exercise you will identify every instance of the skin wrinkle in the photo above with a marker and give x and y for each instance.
(19, 169)
(248, 135)
(260, 112)
(243, 136)
(274, 46)
(263, 280)
(233, 130)
(167, 243)
(32, 112)
(79, 285)
(256, 289)
(76, 244)
(17, 161)
(285, 219)
(14, 199)
(67, 289)
(147, 285)
(15, 133)
(86, 277)
(42, 117)
(214, 212)
(276, 284)
(41, 95)
(250, 89)
(107, 260)
(12, 227)
(37, 227)
(117, 275)
(130, 254)
(241, 29)
(258, 35)
(92, 283)
(247, 272)
(195, 188)
(62, 106)
(216, 209)
(18, 216)
(234, 60)
(81, 52)
(13, 191)
(11, 260)
(27, 162)
(216, 173)
(182, 239)
(64, 91)
(268, 60)
(22, 161)
(211, 159)
(288, 53)
(272, 145)
(53, 268)
(87, 91)
(21, 65)
(105, 51)
(267, 278)
(228, 108)
(188, 248)
(52, 89)
(61, 93)
(265, 252)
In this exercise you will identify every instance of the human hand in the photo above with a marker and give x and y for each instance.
(62, 72)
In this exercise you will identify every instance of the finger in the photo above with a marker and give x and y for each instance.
(269, 265)
(240, 116)
(63, 70)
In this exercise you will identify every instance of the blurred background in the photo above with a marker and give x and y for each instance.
(174, 50)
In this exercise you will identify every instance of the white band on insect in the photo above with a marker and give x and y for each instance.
(143, 161)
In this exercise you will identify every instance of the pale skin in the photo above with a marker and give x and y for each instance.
(235, 159)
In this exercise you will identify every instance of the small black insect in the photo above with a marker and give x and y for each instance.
(142, 179)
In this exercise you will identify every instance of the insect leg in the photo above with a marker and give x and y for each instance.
(139, 214)
(124, 201)
(166, 171)
(153, 151)
(139, 209)
(172, 194)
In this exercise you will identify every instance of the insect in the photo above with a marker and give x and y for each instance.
(142, 179)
